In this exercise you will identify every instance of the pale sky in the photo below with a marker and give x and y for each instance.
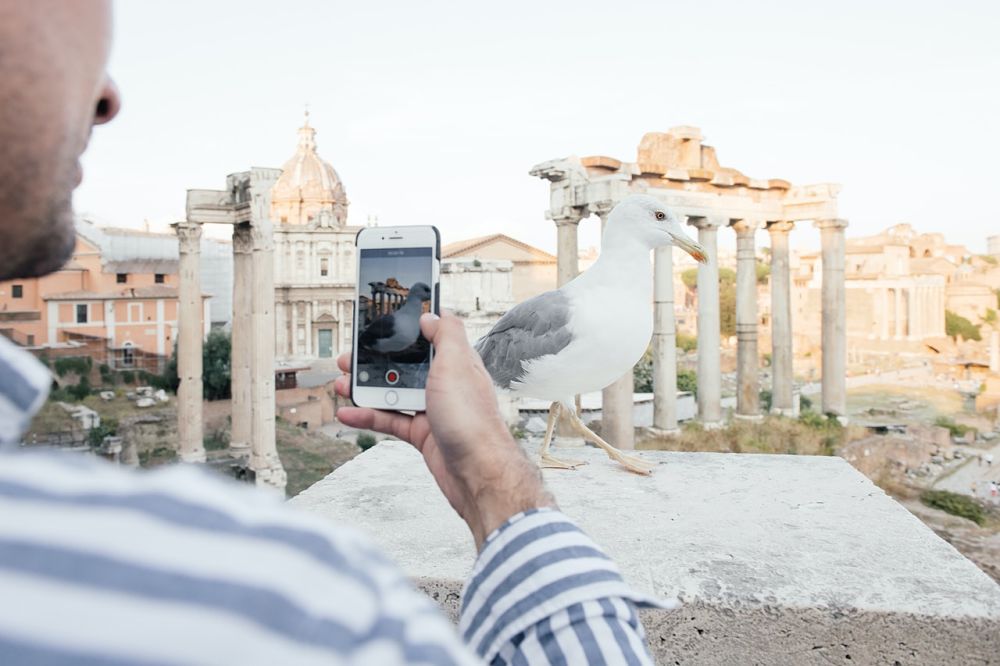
(433, 112)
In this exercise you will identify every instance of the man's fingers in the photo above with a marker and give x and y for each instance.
(390, 423)
(342, 385)
(344, 362)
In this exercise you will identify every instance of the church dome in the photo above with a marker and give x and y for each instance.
(309, 190)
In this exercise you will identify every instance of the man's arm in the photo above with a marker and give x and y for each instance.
(541, 591)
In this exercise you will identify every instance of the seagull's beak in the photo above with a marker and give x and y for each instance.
(690, 246)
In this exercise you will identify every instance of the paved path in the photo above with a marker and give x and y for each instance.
(961, 480)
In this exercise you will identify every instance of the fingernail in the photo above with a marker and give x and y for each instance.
(429, 316)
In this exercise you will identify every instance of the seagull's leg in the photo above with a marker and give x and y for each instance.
(546, 459)
(631, 463)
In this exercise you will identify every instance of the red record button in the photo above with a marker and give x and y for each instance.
(392, 377)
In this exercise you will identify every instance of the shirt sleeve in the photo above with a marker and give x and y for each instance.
(543, 592)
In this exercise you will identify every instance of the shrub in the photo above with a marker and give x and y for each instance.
(955, 504)
(955, 325)
(687, 380)
(95, 436)
(686, 342)
(128, 377)
(955, 429)
(805, 403)
(765, 400)
(366, 440)
(80, 390)
(80, 365)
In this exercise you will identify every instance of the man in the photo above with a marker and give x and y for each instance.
(98, 565)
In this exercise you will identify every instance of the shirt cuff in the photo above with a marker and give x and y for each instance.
(536, 564)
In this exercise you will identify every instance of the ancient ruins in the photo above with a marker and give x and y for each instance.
(244, 204)
(678, 168)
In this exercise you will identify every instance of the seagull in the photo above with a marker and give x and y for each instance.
(592, 330)
(396, 331)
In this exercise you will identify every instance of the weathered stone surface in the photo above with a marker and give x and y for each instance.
(778, 559)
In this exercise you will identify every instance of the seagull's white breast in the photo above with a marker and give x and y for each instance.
(611, 328)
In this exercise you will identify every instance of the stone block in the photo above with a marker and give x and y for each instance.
(777, 559)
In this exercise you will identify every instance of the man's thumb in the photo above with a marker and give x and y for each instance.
(430, 324)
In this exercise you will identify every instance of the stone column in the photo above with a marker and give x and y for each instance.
(747, 362)
(834, 330)
(189, 344)
(782, 375)
(709, 343)
(617, 403)
(242, 343)
(664, 342)
(263, 449)
(568, 251)
(884, 324)
(294, 346)
(898, 309)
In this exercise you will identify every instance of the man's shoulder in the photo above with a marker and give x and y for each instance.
(180, 546)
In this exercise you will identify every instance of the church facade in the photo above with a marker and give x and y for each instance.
(314, 262)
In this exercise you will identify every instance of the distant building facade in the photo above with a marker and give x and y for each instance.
(314, 259)
(993, 246)
(115, 300)
(533, 272)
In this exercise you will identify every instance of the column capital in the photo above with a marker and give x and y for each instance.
(705, 222)
(189, 235)
(601, 208)
(242, 239)
(745, 227)
(569, 216)
(834, 223)
(780, 227)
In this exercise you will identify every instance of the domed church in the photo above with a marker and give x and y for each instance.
(314, 265)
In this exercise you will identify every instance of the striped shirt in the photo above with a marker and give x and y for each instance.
(99, 565)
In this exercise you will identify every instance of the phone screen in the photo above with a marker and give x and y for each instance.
(394, 290)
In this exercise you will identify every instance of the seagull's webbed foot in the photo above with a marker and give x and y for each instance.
(631, 463)
(549, 462)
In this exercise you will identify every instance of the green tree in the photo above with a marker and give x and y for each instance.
(763, 272)
(990, 317)
(727, 301)
(727, 295)
(955, 325)
(216, 371)
(686, 342)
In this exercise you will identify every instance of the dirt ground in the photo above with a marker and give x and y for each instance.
(979, 544)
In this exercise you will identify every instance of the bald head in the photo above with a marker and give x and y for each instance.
(54, 89)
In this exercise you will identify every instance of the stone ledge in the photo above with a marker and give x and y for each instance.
(778, 559)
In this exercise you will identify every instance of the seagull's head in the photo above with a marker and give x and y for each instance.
(419, 292)
(647, 218)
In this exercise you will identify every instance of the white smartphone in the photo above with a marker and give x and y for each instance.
(398, 280)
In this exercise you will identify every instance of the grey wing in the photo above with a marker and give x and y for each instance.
(537, 327)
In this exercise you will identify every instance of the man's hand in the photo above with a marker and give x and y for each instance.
(477, 464)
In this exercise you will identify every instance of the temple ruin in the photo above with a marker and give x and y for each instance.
(679, 169)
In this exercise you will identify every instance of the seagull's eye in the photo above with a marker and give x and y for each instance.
(660, 215)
